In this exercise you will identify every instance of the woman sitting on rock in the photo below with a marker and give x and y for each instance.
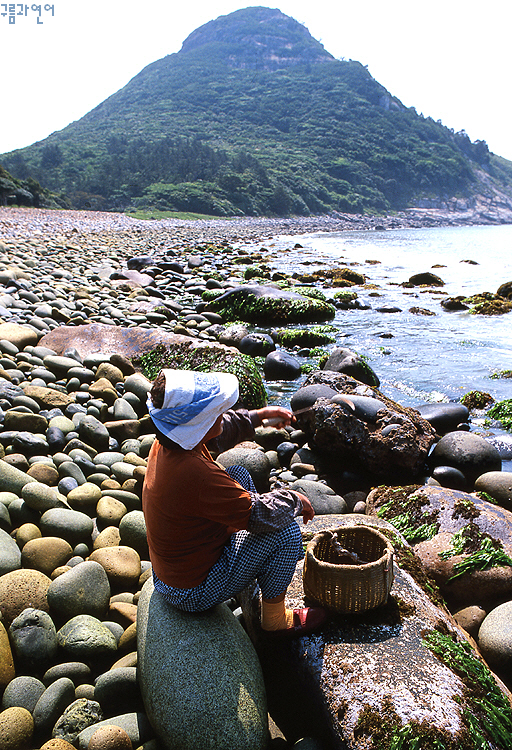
(208, 535)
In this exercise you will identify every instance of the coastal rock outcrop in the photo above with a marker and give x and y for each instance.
(463, 541)
(377, 434)
(404, 671)
(200, 677)
(165, 350)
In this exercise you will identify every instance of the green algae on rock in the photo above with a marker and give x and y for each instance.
(307, 337)
(476, 400)
(267, 305)
(208, 358)
(502, 411)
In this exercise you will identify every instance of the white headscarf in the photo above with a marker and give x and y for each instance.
(192, 403)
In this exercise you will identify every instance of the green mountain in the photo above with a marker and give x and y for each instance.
(253, 116)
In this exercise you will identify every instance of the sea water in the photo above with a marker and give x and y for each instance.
(418, 358)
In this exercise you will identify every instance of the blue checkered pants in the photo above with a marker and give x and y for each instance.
(270, 559)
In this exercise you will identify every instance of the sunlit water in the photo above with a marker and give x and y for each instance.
(427, 358)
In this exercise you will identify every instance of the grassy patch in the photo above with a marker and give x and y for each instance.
(155, 214)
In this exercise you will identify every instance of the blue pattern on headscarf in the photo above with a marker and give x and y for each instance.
(206, 389)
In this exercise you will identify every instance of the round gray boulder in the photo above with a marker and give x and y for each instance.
(495, 637)
(497, 484)
(444, 417)
(200, 677)
(467, 452)
(83, 590)
(323, 499)
(85, 637)
(280, 365)
(33, 637)
(10, 554)
(252, 459)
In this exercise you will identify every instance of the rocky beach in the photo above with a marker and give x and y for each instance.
(91, 304)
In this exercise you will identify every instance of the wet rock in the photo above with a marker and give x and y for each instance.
(266, 305)
(309, 394)
(350, 363)
(448, 476)
(257, 344)
(280, 365)
(335, 432)
(226, 683)
(427, 278)
(469, 453)
(444, 417)
(433, 516)
(232, 335)
(387, 658)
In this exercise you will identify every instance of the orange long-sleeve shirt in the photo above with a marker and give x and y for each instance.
(191, 507)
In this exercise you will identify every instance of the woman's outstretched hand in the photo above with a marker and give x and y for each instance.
(275, 416)
(308, 512)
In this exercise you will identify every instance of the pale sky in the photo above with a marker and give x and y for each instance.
(450, 59)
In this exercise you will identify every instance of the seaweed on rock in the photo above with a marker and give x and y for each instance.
(206, 359)
(268, 305)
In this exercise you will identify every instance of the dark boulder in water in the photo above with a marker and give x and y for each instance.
(427, 278)
(280, 365)
(444, 417)
(469, 453)
(350, 363)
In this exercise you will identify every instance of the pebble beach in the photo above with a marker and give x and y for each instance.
(74, 443)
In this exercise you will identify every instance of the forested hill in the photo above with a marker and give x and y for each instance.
(253, 116)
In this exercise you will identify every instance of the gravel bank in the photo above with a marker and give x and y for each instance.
(31, 222)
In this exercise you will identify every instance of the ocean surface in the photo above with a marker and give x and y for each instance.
(418, 358)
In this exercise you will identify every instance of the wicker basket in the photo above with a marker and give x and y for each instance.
(349, 569)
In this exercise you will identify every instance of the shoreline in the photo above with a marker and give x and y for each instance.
(22, 223)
